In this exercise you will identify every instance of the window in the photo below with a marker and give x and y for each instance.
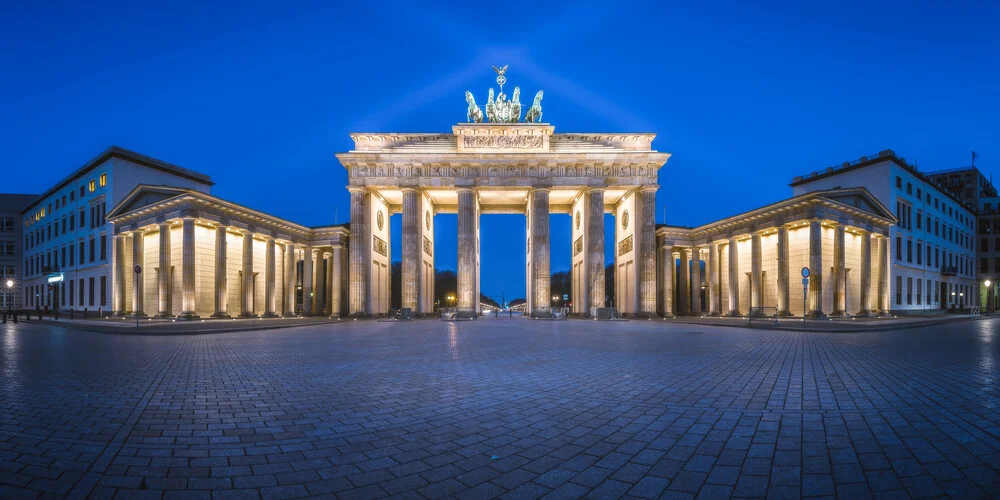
(909, 291)
(909, 250)
(71, 282)
(899, 290)
(984, 245)
(82, 218)
(984, 266)
(91, 186)
(909, 188)
(104, 247)
(83, 252)
(928, 292)
(899, 182)
(72, 224)
(919, 218)
(918, 194)
(919, 254)
(90, 289)
(92, 252)
(104, 180)
(920, 289)
(899, 248)
(71, 248)
(82, 194)
(81, 291)
(104, 291)
(72, 196)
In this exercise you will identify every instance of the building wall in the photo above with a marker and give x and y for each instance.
(625, 266)
(12, 249)
(381, 264)
(426, 224)
(578, 267)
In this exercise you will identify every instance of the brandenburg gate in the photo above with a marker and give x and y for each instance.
(498, 163)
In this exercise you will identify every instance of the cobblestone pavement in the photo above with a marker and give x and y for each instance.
(500, 408)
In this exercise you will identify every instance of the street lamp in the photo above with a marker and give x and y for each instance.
(10, 295)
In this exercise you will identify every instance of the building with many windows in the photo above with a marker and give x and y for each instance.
(10, 248)
(977, 191)
(932, 246)
(66, 237)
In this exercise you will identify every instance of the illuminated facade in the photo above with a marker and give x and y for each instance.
(11, 249)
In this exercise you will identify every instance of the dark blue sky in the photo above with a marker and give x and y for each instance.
(261, 96)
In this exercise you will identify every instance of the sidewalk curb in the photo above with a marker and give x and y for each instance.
(859, 329)
(127, 332)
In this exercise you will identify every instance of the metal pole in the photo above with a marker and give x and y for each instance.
(133, 305)
(805, 297)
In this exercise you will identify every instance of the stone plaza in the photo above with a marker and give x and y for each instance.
(510, 408)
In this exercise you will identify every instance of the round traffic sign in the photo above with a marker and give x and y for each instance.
(138, 269)
(805, 272)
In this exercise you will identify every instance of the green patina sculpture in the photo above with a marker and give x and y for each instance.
(501, 110)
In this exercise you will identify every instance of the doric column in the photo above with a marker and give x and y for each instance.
(783, 271)
(246, 297)
(756, 272)
(163, 286)
(683, 283)
(839, 271)
(137, 279)
(466, 250)
(667, 290)
(289, 280)
(317, 280)
(696, 281)
(595, 247)
(269, 279)
(815, 268)
(328, 287)
(412, 264)
(883, 275)
(119, 296)
(542, 279)
(734, 278)
(360, 251)
(335, 280)
(187, 269)
(714, 307)
(646, 257)
(866, 274)
(221, 298)
(307, 281)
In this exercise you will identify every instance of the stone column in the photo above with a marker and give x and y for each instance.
(137, 279)
(466, 250)
(307, 281)
(317, 282)
(756, 272)
(815, 268)
(667, 290)
(839, 271)
(714, 308)
(783, 271)
(411, 264)
(734, 278)
(595, 247)
(119, 297)
(188, 305)
(221, 288)
(328, 286)
(646, 257)
(335, 281)
(542, 279)
(866, 274)
(883, 275)
(683, 283)
(269, 279)
(696, 281)
(289, 280)
(246, 298)
(360, 251)
(163, 286)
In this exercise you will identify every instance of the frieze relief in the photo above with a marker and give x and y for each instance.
(477, 171)
(428, 247)
(625, 246)
(379, 246)
(578, 246)
(502, 141)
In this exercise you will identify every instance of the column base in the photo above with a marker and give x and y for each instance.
(221, 315)
(715, 314)
(838, 313)
(248, 315)
(815, 314)
(164, 315)
(863, 314)
(189, 316)
(734, 314)
(120, 313)
(785, 314)
(133, 314)
(269, 315)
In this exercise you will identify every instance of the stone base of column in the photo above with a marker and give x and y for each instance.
(133, 314)
(358, 314)
(647, 315)
(734, 314)
(189, 316)
(785, 314)
(270, 315)
(714, 314)
(864, 314)
(120, 313)
(221, 315)
(541, 313)
(164, 315)
(248, 315)
(815, 314)
(838, 313)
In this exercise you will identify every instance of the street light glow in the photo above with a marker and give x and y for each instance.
(988, 283)
(10, 284)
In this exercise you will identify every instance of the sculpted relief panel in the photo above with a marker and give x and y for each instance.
(477, 171)
(502, 141)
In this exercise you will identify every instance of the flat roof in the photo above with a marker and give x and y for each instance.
(119, 152)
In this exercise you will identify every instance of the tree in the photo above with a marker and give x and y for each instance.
(445, 284)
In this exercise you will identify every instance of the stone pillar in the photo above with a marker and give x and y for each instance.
(328, 287)
(360, 251)
(734, 278)
(307, 281)
(289, 281)
(137, 279)
(883, 275)
(595, 247)
(542, 279)
(269, 279)
(683, 283)
(646, 256)
(815, 268)
(220, 273)
(163, 285)
(865, 294)
(412, 263)
(714, 306)
(317, 282)
(335, 280)
(120, 270)
(839, 271)
(696, 281)
(756, 272)
(466, 250)
(246, 297)
(667, 290)
(187, 269)
(783, 271)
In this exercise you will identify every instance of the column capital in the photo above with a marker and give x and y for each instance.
(648, 189)
(409, 189)
(357, 189)
(594, 190)
(464, 189)
(759, 232)
(538, 189)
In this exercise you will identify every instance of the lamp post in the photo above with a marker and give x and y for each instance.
(989, 303)
(10, 295)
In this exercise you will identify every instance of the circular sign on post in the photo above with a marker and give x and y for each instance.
(138, 269)
(805, 272)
